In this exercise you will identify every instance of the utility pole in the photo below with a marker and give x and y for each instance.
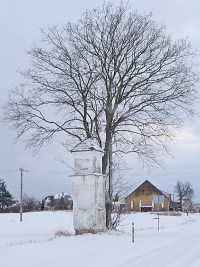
(21, 192)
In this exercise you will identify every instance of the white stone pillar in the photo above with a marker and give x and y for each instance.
(152, 205)
(88, 185)
(140, 204)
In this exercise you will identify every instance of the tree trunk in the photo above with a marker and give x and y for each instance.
(107, 162)
(110, 191)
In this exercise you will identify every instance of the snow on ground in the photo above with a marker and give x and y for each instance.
(33, 242)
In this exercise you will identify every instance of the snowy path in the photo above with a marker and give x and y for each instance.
(176, 244)
(181, 250)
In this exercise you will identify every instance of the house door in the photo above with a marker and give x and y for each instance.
(146, 209)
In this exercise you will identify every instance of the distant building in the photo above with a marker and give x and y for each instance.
(118, 205)
(141, 199)
(61, 201)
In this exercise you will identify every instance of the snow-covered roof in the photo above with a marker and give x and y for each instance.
(60, 195)
(165, 194)
(87, 145)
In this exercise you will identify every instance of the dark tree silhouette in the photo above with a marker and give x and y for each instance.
(6, 198)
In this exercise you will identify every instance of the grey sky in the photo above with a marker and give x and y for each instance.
(20, 23)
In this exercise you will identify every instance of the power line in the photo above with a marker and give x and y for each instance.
(7, 171)
(38, 171)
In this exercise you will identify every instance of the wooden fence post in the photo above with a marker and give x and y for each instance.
(133, 239)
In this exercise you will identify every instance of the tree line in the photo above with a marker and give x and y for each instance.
(30, 203)
(183, 191)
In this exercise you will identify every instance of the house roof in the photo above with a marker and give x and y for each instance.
(167, 195)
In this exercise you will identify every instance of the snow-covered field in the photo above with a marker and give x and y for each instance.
(35, 242)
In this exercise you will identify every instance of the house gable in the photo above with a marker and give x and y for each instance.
(146, 188)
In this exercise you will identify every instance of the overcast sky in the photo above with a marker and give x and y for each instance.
(20, 24)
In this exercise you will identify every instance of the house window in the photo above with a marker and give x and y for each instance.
(132, 204)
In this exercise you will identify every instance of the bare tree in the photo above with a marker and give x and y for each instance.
(122, 182)
(30, 203)
(184, 192)
(114, 76)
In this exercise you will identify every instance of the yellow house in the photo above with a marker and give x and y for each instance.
(143, 199)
